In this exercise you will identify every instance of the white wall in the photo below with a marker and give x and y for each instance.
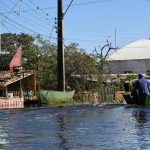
(136, 66)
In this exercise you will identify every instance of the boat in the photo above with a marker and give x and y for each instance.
(131, 96)
(131, 100)
(60, 95)
(55, 97)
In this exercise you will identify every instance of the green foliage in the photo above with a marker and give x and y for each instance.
(10, 42)
(46, 63)
(125, 77)
(83, 71)
(80, 67)
(118, 101)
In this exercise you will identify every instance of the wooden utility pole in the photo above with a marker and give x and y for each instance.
(60, 49)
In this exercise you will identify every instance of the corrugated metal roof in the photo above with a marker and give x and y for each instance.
(139, 49)
(15, 78)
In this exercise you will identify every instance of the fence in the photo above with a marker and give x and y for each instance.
(11, 103)
(103, 95)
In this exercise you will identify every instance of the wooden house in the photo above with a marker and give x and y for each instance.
(16, 83)
(14, 88)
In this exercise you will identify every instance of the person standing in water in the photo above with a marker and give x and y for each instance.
(142, 87)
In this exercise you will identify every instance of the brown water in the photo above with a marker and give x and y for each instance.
(82, 127)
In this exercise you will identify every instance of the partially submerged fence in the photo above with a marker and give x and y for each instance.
(104, 95)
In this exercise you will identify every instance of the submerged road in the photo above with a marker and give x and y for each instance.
(81, 127)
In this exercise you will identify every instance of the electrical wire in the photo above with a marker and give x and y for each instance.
(54, 27)
(39, 8)
(67, 8)
(5, 26)
(77, 4)
(11, 8)
(35, 17)
(74, 5)
(18, 24)
(30, 22)
(35, 11)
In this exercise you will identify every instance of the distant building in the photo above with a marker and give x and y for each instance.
(134, 57)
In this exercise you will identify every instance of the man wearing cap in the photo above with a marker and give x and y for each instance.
(142, 87)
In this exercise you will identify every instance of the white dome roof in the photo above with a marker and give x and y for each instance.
(139, 49)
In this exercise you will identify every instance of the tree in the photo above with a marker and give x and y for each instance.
(40, 55)
(79, 67)
(46, 63)
(101, 57)
(10, 42)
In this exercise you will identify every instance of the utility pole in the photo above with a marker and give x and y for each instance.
(60, 49)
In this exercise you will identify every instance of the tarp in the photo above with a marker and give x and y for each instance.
(17, 59)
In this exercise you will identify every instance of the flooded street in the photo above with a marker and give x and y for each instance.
(75, 128)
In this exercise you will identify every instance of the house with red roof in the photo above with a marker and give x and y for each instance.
(16, 83)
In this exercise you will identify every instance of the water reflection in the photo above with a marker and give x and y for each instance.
(140, 116)
(142, 127)
(3, 134)
(63, 133)
(3, 140)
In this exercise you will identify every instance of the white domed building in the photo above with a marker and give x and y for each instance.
(134, 57)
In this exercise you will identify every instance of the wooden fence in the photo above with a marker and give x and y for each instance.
(104, 95)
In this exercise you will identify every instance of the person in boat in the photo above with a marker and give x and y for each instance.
(130, 94)
(142, 86)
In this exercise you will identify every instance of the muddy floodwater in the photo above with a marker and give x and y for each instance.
(78, 127)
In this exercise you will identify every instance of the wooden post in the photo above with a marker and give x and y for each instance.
(6, 92)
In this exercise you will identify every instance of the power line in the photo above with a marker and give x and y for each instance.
(91, 2)
(78, 4)
(11, 8)
(67, 8)
(18, 24)
(5, 26)
(35, 17)
(28, 21)
(54, 27)
(38, 8)
(35, 11)
(31, 8)
(74, 5)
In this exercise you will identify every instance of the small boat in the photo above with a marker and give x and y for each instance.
(131, 95)
(55, 97)
(131, 99)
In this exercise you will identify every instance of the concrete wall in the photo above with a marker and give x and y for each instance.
(135, 66)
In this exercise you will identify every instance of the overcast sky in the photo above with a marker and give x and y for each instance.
(87, 22)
